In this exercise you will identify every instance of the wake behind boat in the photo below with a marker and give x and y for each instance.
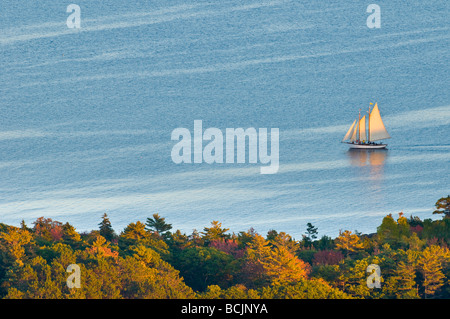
(358, 137)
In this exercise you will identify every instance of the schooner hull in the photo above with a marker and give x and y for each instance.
(367, 146)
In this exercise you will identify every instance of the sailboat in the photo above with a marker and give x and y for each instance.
(358, 137)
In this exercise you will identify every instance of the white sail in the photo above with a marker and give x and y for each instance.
(349, 132)
(362, 129)
(355, 130)
(377, 131)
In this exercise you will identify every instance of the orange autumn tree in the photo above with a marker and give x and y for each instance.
(274, 265)
(48, 229)
(100, 249)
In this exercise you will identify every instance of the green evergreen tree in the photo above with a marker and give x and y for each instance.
(106, 229)
(204, 266)
(443, 206)
(311, 231)
(158, 224)
(311, 234)
(214, 232)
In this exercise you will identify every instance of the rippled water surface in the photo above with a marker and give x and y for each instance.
(87, 114)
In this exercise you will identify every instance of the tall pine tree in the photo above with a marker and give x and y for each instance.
(106, 229)
(158, 224)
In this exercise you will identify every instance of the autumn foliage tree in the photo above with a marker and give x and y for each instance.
(214, 232)
(348, 242)
(431, 264)
(265, 264)
(328, 257)
(48, 229)
(13, 242)
(150, 261)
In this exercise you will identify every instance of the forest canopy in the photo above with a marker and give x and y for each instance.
(151, 260)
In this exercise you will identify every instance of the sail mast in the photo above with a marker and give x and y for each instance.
(368, 135)
(359, 126)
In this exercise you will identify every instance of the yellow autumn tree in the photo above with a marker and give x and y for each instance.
(282, 266)
(13, 241)
(431, 264)
(405, 276)
(275, 265)
(348, 242)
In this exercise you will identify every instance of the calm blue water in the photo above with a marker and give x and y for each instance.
(87, 114)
